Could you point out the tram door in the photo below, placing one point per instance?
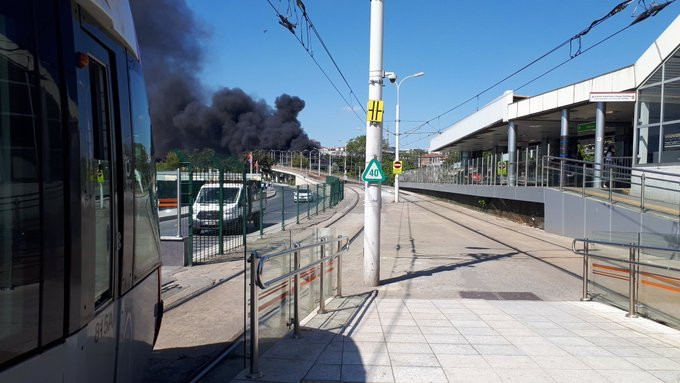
(100, 238)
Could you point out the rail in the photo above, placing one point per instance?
(633, 262)
(257, 262)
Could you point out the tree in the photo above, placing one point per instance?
(356, 147)
(451, 159)
(170, 162)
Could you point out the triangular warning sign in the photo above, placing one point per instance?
(373, 172)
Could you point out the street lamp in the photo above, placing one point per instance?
(393, 79)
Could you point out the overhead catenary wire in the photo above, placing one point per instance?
(651, 11)
(291, 27)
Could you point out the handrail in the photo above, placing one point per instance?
(608, 165)
(633, 266)
(623, 245)
(297, 271)
(257, 267)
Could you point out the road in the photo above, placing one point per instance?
(272, 215)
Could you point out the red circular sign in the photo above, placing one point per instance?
(397, 164)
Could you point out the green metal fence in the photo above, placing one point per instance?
(222, 209)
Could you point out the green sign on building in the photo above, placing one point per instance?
(586, 127)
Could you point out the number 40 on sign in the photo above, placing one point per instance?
(373, 172)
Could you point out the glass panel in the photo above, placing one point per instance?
(673, 67)
(671, 143)
(147, 237)
(20, 235)
(99, 94)
(649, 105)
(608, 279)
(648, 145)
(671, 101)
(658, 291)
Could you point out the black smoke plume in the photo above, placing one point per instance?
(232, 122)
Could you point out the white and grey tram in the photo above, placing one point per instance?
(79, 240)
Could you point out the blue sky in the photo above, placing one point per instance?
(463, 47)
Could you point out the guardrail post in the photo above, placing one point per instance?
(322, 299)
(261, 211)
(297, 202)
(611, 184)
(631, 283)
(583, 187)
(189, 261)
(585, 297)
(283, 208)
(317, 199)
(254, 319)
(309, 200)
(179, 202)
(220, 234)
(642, 192)
(561, 175)
(338, 260)
(526, 166)
(296, 294)
(323, 204)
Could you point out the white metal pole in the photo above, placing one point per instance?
(318, 169)
(396, 146)
(330, 162)
(372, 197)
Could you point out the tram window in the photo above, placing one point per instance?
(99, 94)
(19, 185)
(147, 236)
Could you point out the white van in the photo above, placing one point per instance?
(206, 208)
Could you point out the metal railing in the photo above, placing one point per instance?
(612, 181)
(257, 285)
(633, 263)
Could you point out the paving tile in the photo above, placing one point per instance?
(541, 349)
(468, 323)
(497, 349)
(367, 373)
(506, 324)
(580, 376)
(610, 341)
(631, 351)
(510, 361)
(365, 347)
(607, 362)
(434, 323)
(363, 328)
(401, 330)
(364, 337)
(330, 357)
(324, 372)
(568, 341)
(441, 330)
(477, 331)
(411, 348)
(526, 339)
(445, 338)
(295, 349)
(415, 360)
(486, 339)
(419, 374)
(654, 363)
(405, 338)
(462, 361)
(495, 317)
(522, 376)
(565, 362)
(453, 349)
(628, 376)
(282, 370)
(669, 352)
(587, 350)
(376, 359)
(667, 376)
(428, 315)
(471, 375)
(553, 332)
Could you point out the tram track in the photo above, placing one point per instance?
(466, 227)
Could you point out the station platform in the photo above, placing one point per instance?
(469, 297)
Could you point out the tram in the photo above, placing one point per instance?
(79, 238)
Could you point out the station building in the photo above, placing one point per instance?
(619, 131)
